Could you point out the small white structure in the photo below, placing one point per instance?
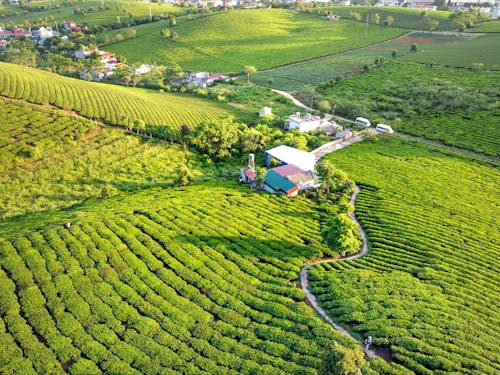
(383, 128)
(143, 69)
(495, 13)
(289, 155)
(265, 111)
(363, 121)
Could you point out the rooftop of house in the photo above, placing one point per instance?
(278, 182)
(306, 118)
(287, 170)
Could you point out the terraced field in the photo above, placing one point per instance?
(488, 27)
(227, 42)
(49, 159)
(113, 104)
(149, 284)
(429, 287)
(450, 102)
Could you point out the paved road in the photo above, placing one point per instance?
(304, 281)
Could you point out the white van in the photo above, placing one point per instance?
(383, 128)
(363, 121)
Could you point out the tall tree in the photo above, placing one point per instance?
(249, 70)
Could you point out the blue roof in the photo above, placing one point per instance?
(278, 182)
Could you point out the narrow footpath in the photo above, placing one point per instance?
(304, 281)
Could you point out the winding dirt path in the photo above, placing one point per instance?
(304, 281)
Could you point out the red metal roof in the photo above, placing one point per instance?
(250, 174)
(287, 170)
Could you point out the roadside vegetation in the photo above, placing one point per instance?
(427, 288)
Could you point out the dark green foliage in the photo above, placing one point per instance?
(342, 235)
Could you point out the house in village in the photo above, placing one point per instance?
(309, 122)
(303, 179)
(72, 26)
(287, 179)
(274, 183)
(200, 80)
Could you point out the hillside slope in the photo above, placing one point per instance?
(429, 287)
(114, 104)
(227, 42)
(196, 280)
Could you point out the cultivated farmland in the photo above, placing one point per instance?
(146, 283)
(226, 42)
(402, 93)
(429, 287)
(111, 103)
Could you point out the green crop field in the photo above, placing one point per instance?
(482, 52)
(445, 99)
(227, 42)
(147, 284)
(119, 10)
(403, 17)
(114, 104)
(429, 287)
(50, 159)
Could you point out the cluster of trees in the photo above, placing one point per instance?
(466, 20)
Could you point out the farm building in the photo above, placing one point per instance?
(265, 111)
(289, 155)
(274, 183)
(308, 122)
(304, 180)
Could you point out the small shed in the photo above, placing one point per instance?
(274, 183)
(265, 111)
(289, 155)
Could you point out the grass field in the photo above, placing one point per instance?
(402, 94)
(50, 159)
(146, 283)
(429, 287)
(114, 104)
(432, 48)
(403, 17)
(227, 42)
(488, 27)
(119, 9)
(482, 50)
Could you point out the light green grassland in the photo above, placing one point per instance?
(227, 42)
(403, 17)
(428, 287)
(114, 104)
(118, 8)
